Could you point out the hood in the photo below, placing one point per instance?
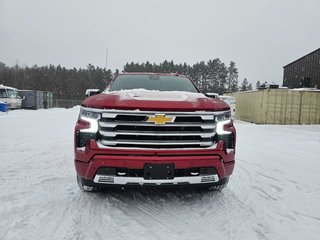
(153, 100)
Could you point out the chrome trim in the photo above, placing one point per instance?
(109, 115)
(147, 142)
(201, 136)
(114, 124)
(92, 109)
(115, 133)
(104, 179)
(204, 116)
(100, 145)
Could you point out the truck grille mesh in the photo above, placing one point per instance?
(141, 130)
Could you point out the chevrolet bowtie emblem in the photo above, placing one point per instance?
(160, 119)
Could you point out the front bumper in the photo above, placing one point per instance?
(104, 179)
(89, 160)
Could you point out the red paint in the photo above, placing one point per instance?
(88, 170)
(114, 101)
(88, 161)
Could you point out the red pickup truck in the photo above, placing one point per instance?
(150, 129)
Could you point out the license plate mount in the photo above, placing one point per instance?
(158, 171)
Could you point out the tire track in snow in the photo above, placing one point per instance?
(67, 216)
(236, 203)
(155, 216)
(243, 179)
(153, 213)
(229, 206)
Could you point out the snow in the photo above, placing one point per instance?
(156, 95)
(306, 89)
(274, 192)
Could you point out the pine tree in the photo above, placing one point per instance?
(258, 84)
(232, 78)
(148, 67)
(244, 85)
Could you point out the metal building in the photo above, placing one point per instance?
(278, 106)
(303, 72)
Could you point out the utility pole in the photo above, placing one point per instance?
(107, 51)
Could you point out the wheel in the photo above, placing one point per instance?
(82, 186)
(221, 185)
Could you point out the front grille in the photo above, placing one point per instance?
(139, 129)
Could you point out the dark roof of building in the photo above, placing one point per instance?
(302, 57)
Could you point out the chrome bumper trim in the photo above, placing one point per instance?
(100, 145)
(117, 180)
(145, 142)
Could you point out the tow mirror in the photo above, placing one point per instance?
(212, 95)
(91, 92)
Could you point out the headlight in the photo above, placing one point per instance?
(87, 127)
(223, 120)
(223, 116)
(84, 113)
(92, 117)
(225, 130)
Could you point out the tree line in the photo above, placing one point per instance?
(64, 83)
(210, 76)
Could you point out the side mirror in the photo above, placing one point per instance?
(91, 92)
(212, 95)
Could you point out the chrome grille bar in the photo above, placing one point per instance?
(132, 129)
(114, 124)
(116, 133)
(113, 113)
(113, 143)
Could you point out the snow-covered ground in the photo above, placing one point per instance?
(274, 192)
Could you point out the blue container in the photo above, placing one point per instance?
(3, 107)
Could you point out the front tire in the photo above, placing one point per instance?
(84, 187)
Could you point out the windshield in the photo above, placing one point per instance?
(3, 93)
(153, 82)
(12, 93)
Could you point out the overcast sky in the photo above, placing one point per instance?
(260, 36)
